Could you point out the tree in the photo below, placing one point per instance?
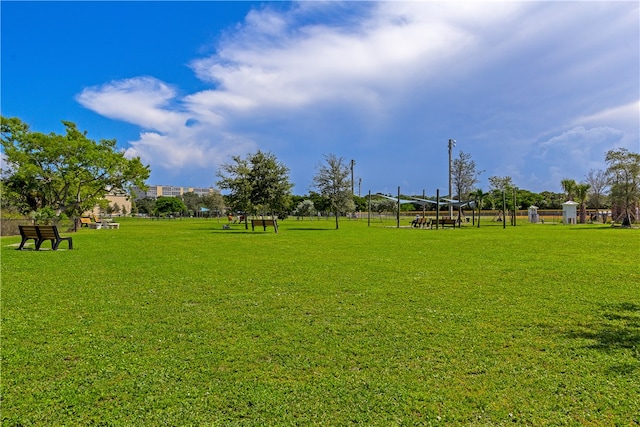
(624, 172)
(146, 205)
(499, 185)
(551, 200)
(191, 200)
(569, 187)
(464, 175)
(333, 183)
(169, 205)
(258, 183)
(582, 192)
(68, 173)
(214, 202)
(270, 186)
(305, 208)
(235, 177)
(598, 181)
(383, 205)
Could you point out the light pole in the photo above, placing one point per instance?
(452, 143)
(353, 163)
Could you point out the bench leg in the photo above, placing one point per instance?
(40, 242)
(57, 243)
(24, 240)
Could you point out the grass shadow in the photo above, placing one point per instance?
(310, 229)
(618, 331)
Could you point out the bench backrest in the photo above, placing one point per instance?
(85, 220)
(48, 232)
(263, 221)
(29, 231)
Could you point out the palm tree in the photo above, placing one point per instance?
(582, 192)
(569, 187)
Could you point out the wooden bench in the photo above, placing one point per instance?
(445, 222)
(85, 222)
(42, 233)
(421, 223)
(264, 223)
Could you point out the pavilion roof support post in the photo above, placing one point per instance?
(437, 207)
(398, 211)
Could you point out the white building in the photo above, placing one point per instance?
(155, 191)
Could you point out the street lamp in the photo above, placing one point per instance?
(452, 143)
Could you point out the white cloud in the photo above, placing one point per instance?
(352, 75)
(573, 153)
(144, 101)
(173, 138)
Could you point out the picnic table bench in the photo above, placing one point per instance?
(264, 223)
(41, 233)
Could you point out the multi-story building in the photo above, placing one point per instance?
(155, 191)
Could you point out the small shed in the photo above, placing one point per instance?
(533, 214)
(569, 212)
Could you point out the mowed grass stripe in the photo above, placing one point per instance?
(183, 323)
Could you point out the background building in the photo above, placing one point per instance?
(155, 191)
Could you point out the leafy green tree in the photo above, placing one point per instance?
(321, 203)
(333, 183)
(500, 185)
(551, 200)
(305, 208)
(169, 205)
(68, 173)
(270, 186)
(624, 172)
(235, 177)
(214, 202)
(258, 183)
(146, 205)
(361, 203)
(383, 205)
(192, 201)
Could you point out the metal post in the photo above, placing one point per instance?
(398, 216)
(452, 143)
(369, 217)
(504, 210)
(437, 207)
(514, 205)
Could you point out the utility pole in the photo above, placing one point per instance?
(452, 143)
(353, 189)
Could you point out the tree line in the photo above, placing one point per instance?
(53, 175)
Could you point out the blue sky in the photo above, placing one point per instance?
(538, 91)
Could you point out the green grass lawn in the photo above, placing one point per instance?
(180, 322)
